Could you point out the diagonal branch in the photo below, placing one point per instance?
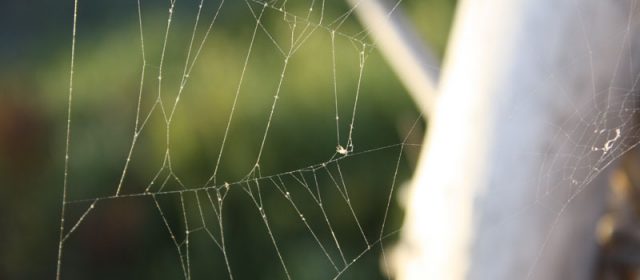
(412, 61)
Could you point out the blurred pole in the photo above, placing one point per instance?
(506, 186)
(413, 63)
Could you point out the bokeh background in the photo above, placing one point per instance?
(125, 238)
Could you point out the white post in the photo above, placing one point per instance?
(530, 108)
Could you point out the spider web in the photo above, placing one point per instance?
(175, 175)
(252, 139)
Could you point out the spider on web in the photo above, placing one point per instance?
(342, 150)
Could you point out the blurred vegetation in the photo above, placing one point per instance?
(125, 238)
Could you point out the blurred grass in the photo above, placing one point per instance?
(126, 238)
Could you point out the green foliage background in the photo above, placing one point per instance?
(125, 238)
